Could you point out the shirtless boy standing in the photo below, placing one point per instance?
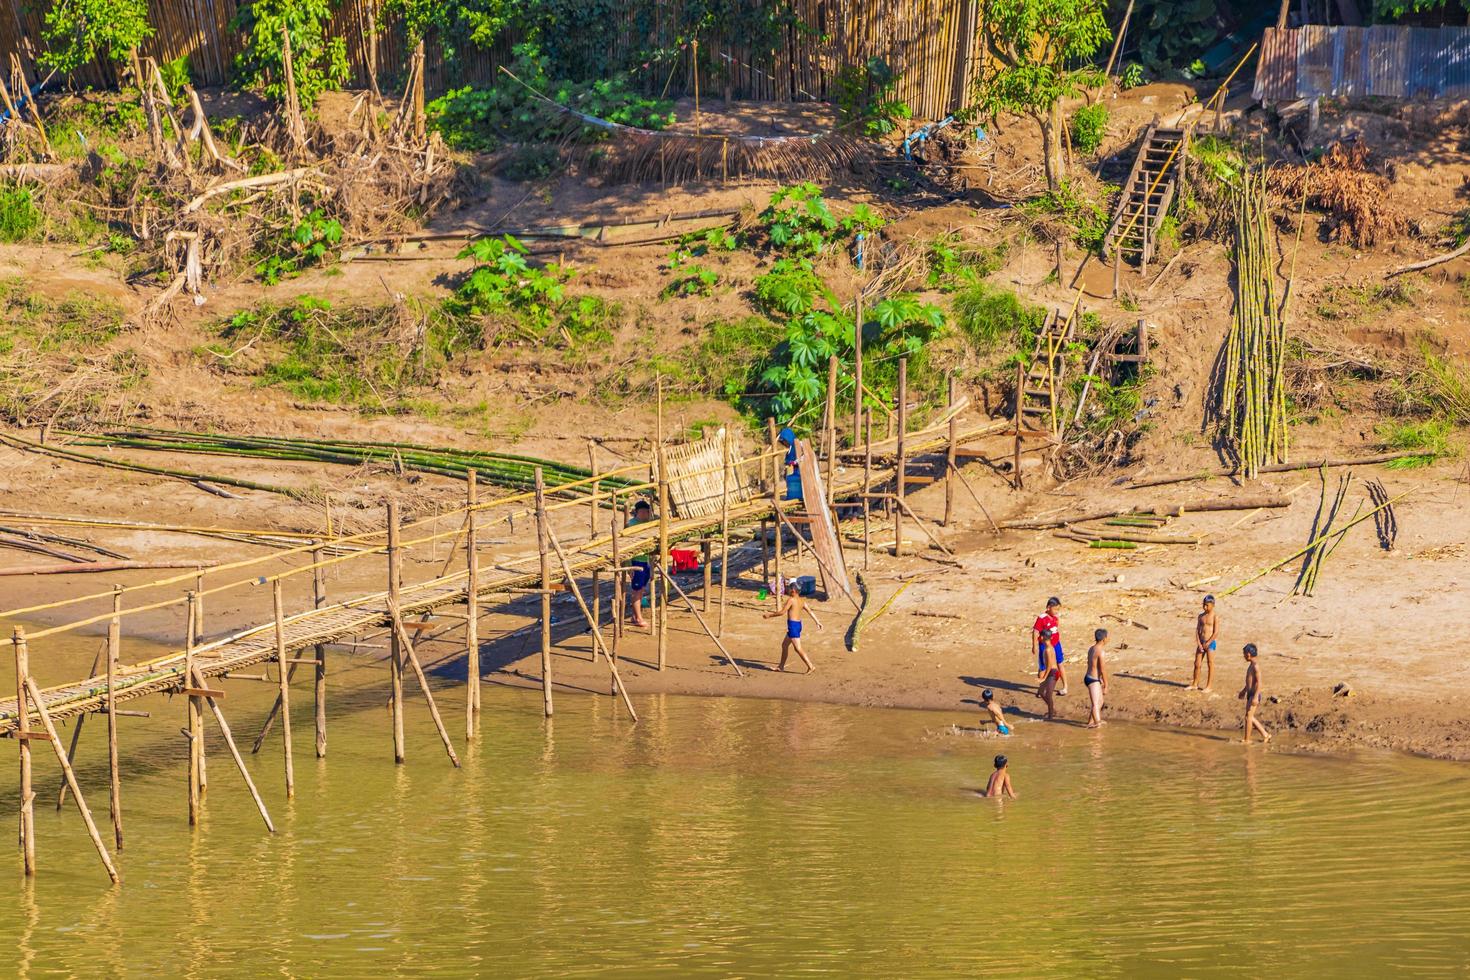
(794, 606)
(1251, 694)
(1206, 630)
(1000, 780)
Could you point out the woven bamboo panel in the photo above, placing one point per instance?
(696, 482)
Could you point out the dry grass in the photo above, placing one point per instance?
(1344, 184)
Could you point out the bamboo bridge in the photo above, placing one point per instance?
(701, 491)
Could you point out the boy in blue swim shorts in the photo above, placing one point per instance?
(1047, 632)
(988, 705)
(1206, 630)
(794, 606)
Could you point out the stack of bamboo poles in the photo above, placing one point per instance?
(501, 469)
(1253, 388)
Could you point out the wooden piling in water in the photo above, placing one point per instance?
(395, 654)
(901, 471)
(71, 777)
(412, 657)
(224, 730)
(724, 530)
(195, 719)
(545, 592)
(285, 680)
(319, 687)
(23, 736)
(76, 734)
(114, 778)
(472, 607)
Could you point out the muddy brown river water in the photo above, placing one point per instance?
(726, 837)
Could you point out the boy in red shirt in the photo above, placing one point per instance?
(1046, 631)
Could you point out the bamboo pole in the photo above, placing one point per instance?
(867, 487)
(1020, 399)
(285, 680)
(199, 606)
(857, 368)
(597, 643)
(829, 426)
(594, 489)
(949, 457)
(541, 539)
(319, 687)
(703, 625)
(76, 734)
(71, 777)
(23, 735)
(662, 617)
(724, 529)
(412, 657)
(224, 730)
(194, 720)
(618, 612)
(777, 481)
(901, 473)
(395, 651)
(472, 607)
(114, 778)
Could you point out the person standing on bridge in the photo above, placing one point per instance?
(642, 571)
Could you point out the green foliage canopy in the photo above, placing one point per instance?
(319, 62)
(77, 31)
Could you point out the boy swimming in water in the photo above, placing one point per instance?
(1206, 629)
(794, 606)
(987, 704)
(1000, 780)
(1251, 694)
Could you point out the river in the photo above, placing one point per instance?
(726, 837)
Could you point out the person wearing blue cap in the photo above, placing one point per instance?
(787, 438)
(1206, 630)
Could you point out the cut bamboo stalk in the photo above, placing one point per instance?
(703, 625)
(724, 529)
(23, 732)
(319, 688)
(71, 777)
(867, 487)
(777, 474)
(419, 675)
(114, 777)
(76, 733)
(541, 538)
(949, 457)
(662, 618)
(282, 672)
(192, 730)
(395, 651)
(472, 606)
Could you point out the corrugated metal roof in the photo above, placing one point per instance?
(1383, 60)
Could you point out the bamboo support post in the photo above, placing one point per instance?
(395, 651)
(319, 687)
(23, 733)
(867, 487)
(472, 606)
(285, 680)
(724, 531)
(661, 618)
(199, 606)
(541, 545)
(901, 471)
(593, 490)
(703, 625)
(829, 427)
(706, 557)
(224, 730)
(597, 643)
(412, 657)
(949, 458)
(195, 728)
(857, 368)
(71, 777)
(114, 777)
(777, 479)
(619, 614)
(1020, 398)
(76, 735)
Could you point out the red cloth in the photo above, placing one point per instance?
(1051, 631)
(684, 559)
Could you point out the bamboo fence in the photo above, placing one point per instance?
(931, 45)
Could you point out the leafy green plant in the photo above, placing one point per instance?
(309, 243)
(1430, 435)
(865, 98)
(505, 285)
(20, 218)
(954, 264)
(989, 317)
(1089, 126)
(692, 278)
(1132, 76)
(1086, 217)
(798, 221)
(318, 62)
(176, 74)
(1036, 48)
(1218, 157)
(77, 31)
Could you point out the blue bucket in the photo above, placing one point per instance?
(793, 486)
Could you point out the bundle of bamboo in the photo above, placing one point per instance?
(502, 469)
(1252, 393)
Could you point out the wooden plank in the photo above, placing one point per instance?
(824, 539)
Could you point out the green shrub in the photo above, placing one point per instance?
(505, 285)
(309, 243)
(1431, 435)
(1087, 218)
(798, 221)
(19, 217)
(954, 264)
(988, 317)
(1088, 127)
(78, 31)
(176, 74)
(318, 61)
(1132, 76)
(865, 98)
(1218, 157)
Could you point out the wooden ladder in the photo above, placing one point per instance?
(1147, 194)
(1041, 385)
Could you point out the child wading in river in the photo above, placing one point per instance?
(794, 606)
(1000, 780)
(1251, 694)
(988, 705)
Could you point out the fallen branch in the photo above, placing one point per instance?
(1310, 464)
(260, 180)
(1176, 510)
(81, 568)
(1429, 263)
